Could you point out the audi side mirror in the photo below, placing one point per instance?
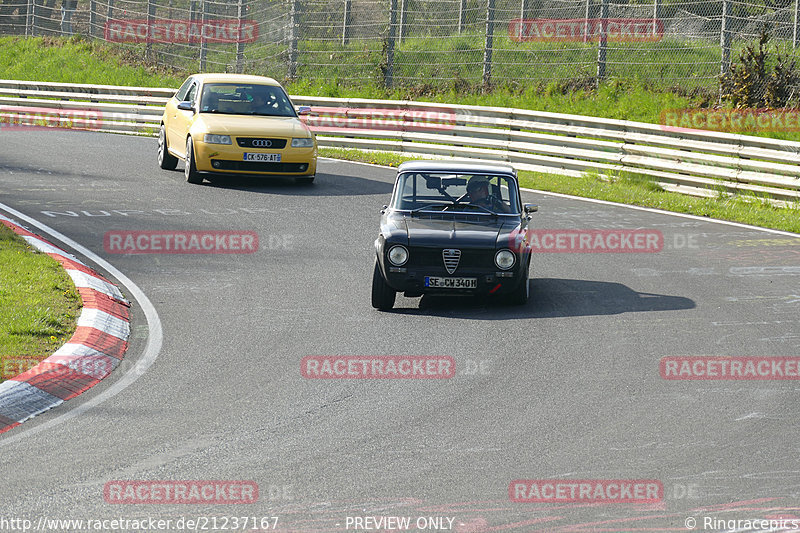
(304, 110)
(531, 208)
(186, 106)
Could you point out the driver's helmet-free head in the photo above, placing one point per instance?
(476, 182)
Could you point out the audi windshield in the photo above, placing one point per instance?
(246, 99)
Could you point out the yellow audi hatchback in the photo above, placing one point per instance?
(236, 124)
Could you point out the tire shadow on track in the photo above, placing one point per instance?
(553, 298)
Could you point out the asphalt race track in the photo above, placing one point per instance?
(567, 387)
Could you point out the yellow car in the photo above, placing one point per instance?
(235, 124)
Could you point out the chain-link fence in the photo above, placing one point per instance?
(441, 42)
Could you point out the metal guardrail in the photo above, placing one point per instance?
(696, 162)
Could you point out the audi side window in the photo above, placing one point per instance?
(191, 94)
(181, 94)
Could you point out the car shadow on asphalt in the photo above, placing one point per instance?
(324, 185)
(552, 298)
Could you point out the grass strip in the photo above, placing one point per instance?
(39, 305)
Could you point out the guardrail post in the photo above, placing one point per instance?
(388, 73)
(794, 34)
(110, 13)
(725, 39)
(489, 44)
(203, 42)
(346, 22)
(462, 8)
(293, 30)
(601, 46)
(240, 14)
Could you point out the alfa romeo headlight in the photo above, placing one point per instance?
(398, 255)
(210, 138)
(504, 259)
(302, 142)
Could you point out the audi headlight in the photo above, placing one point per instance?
(504, 259)
(302, 142)
(398, 255)
(210, 138)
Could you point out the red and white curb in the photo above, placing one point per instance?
(96, 348)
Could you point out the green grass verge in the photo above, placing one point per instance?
(630, 189)
(39, 305)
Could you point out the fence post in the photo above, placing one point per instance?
(725, 39)
(656, 15)
(151, 11)
(110, 12)
(586, 23)
(462, 8)
(29, 18)
(388, 74)
(601, 46)
(402, 25)
(203, 43)
(240, 13)
(794, 35)
(487, 49)
(92, 17)
(293, 29)
(346, 22)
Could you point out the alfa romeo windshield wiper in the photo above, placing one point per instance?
(419, 209)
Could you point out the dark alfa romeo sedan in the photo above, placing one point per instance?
(453, 227)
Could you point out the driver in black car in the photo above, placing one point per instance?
(478, 193)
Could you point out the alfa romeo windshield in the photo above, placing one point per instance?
(467, 193)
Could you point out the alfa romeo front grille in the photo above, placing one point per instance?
(451, 257)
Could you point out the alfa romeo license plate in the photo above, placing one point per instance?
(269, 158)
(451, 283)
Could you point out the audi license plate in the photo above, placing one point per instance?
(451, 283)
(269, 158)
